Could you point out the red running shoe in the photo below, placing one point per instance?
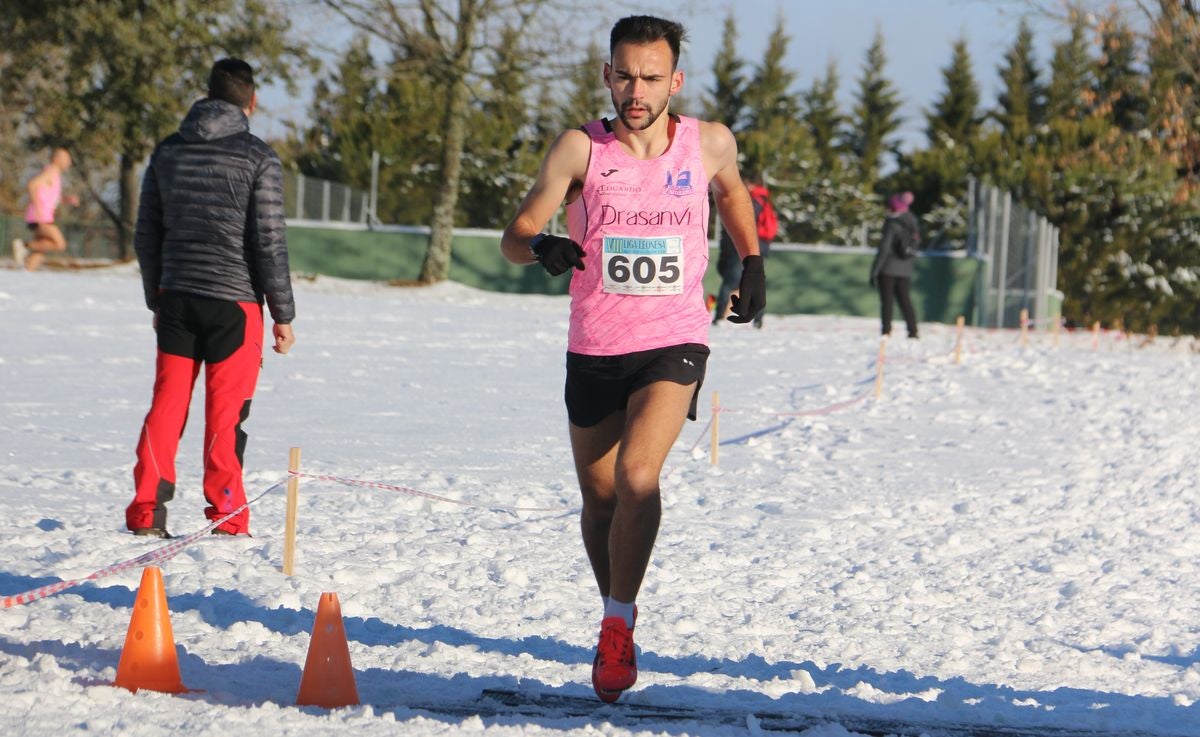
(615, 667)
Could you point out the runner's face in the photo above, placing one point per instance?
(642, 82)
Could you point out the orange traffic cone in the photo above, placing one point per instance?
(328, 678)
(148, 659)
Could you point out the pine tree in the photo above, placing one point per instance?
(1174, 77)
(1120, 86)
(1021, 104)
(498, 165)
(955, 119)
(768, 96)
(408, 144)
(337, 145)
(773, 138)
(586, 97)
(1071, 79)
(824, 118)
(875, 116)
(725, 102)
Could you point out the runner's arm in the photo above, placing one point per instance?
(565, 164)
(729, 192)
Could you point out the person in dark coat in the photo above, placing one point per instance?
(212, 245)
(729, 263)
(892, 269)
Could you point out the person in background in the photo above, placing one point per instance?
(766, 221)
(729, 263)
(45, 195)
(212, 245)
(892, 269)
(729, 267)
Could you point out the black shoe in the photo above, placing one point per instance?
(152, 532)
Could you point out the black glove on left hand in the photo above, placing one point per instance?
(751, 298)
(556, 254)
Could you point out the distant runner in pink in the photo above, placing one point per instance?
(643, 228)
(45, 195)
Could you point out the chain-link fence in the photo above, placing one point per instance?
(320, 200)
(1019, 249)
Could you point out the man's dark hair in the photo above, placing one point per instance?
(231, 80)
(645, 29)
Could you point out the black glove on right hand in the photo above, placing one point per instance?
(556, 254)
(751, 298)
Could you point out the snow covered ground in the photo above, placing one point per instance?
(1010, 541)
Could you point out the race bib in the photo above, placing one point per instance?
(643, 266)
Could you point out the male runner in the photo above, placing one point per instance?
(45, 195)
(636, 188)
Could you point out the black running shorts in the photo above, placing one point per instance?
(597, 386)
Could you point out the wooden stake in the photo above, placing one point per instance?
(1150, 336)
(879, 368)
(1057, 326)
(293, 498)
(958, 341)
(716, 423)
(1024, 326)
(1095, 336)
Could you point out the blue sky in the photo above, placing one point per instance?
(918, 35)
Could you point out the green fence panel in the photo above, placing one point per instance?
(810, 281)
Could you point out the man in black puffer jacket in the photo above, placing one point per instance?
(212, 246)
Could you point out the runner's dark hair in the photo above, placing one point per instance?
(645, 29)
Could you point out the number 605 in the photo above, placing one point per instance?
(644, 269)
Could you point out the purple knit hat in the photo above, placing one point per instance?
(899, 202)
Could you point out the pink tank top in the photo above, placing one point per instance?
(643, 225)
(45, 200)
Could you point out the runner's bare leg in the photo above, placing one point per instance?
(619, 462)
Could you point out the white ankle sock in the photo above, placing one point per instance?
(614, 608)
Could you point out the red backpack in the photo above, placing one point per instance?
(768, 221)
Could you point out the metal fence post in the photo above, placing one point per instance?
(992, 215)
(374, 213)
(1002, 260)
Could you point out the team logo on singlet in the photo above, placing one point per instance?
(679, 185)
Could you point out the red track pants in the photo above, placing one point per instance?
(227, 338)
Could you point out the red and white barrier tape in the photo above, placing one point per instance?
(166, 552)
(423, 494)
(823, 410)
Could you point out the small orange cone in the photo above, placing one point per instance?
(328, 678)
(148, 659)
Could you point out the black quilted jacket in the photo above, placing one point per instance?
(886, 260)
(210, 218)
